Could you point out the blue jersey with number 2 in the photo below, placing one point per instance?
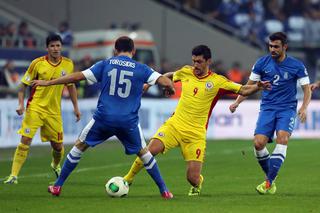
(283, 76)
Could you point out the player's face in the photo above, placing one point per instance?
(277, 49)
(54, 49)
(200, 65)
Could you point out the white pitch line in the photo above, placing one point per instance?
(225, 151)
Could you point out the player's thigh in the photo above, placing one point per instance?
(30, 124)
(194, 151)
(169, 137)
(286, 120)
(132, 139)
(96, 132)
(52, 129)
(266, 123)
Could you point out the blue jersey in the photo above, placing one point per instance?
(122, 80)
(284, 77)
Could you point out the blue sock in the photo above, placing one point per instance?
(263, 158)
(276, 160)
(152, 168)
(70, 163)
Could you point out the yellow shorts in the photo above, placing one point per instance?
(51, 128)
(192, 148)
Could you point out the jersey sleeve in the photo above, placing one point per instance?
(180, 74)
(31, 73)
(70, 70)
(230, 86)
(303, 77)
(94, 73)
(151, 75)
(256, 71)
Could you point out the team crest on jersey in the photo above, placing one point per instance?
(286, 75)
(27, 130)
(209, 85)
(161, 134)
(63, 73)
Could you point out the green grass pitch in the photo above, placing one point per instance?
(230, 171)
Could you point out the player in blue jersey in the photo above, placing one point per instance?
(122, 80)
(278, 106)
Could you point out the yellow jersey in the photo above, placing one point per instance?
(46, 99)
(198, 98)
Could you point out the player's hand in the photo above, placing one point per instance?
(302, 113)
(265, 85)
(35, 83)
(77, 114)
(146, 87)
(168, 91)
(314, 86)
(233, 107)
(20, 110)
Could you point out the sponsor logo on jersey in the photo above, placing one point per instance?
(27, 78)
(63, 73)
(286, 75)
(267, 71)
(27, 130)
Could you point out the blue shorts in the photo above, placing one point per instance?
(270, 121)
(96, 132)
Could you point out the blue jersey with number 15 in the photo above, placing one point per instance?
(122, 80)
(283, 77)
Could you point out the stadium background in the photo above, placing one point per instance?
(237, 39)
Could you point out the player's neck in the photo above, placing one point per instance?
(125, 54)
(54, 60)
(281, 58)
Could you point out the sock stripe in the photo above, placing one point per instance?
(263, 157)
(73, 159)
(149, 162)
(150, 165)
(277, 157)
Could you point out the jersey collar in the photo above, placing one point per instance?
(209, 73)
(54, 65)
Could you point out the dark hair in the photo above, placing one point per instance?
(202, 50)
(53, 37)
(279, 36)
(124, 44)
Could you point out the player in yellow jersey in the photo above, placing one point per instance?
(43, 107)
(201, 89)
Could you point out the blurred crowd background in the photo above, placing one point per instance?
(250, 21)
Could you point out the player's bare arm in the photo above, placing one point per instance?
(21, 92)
(74, 99)
(315, 86)
(302, 112)
(72, 78)
(240, 98)
(169, 75)
(247, 90)
(167, 84)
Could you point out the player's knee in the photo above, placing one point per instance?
(282, 140)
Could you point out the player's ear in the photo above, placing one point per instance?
(133, 52)
(209, 61)
(115, 52)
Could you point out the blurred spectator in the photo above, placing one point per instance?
(219, 68)
(9, 80)
(66, 34)
(312, 26)
(236, 74)
(10, 35)
(25, 37)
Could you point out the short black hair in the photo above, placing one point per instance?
(202, 50)
(124, 44)
(53, 37)
(279, 36)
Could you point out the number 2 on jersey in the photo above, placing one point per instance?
(122, 81)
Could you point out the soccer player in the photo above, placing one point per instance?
(43, 107)
(122, 80)
(278, 106)
(201, 89)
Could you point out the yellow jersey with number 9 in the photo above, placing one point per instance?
(198, 98)
(46, 99)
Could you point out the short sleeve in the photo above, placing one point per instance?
(31, 73)
(256, 71)
(97, 70)
(180, 74)
(302, 75)
(230, 86)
